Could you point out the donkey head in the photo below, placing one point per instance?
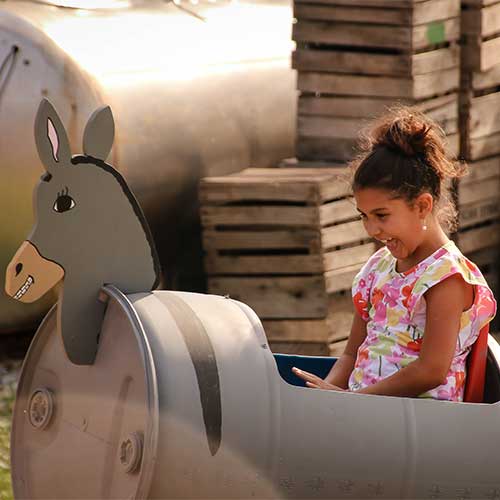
(89, 231)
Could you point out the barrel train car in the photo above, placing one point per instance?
(130, 392)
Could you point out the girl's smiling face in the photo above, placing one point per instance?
(393, 220)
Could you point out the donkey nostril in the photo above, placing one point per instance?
(19, 268)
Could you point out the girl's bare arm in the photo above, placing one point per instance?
(342, 369)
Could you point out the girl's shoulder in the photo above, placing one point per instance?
(445, 262)
(449, 261)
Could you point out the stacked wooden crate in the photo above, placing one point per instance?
(357, 57)
(288, 243)
(479, 193)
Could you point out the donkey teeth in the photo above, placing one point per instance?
(29, 281)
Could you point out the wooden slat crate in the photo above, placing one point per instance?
(356, 59)
(288, 242)
(481, 35)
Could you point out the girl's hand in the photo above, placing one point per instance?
(314, 381)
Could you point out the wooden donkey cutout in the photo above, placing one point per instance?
(77, 197)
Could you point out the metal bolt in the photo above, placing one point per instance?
(40, 408)
(131, 452)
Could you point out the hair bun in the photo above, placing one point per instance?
(406, 131)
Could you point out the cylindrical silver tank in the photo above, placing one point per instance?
(185, 401)
(191, 97)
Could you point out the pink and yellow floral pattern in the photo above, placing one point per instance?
(393, 305)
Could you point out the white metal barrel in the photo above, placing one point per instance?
(185, 401)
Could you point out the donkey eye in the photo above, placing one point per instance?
(64, 203)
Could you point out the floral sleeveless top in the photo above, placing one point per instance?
(393, 305)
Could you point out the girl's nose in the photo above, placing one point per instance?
(372, 229)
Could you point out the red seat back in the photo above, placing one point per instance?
(476, 368)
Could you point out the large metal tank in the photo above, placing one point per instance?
(196, 88)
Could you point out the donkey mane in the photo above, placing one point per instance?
(85, 159)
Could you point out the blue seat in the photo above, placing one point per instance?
(319, 365)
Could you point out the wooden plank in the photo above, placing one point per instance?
(392, 4)
(490, 54)
(276, 297)
(357, 14)
(480, 55)
(287, 264)
(365, 107)
(341, 279)
(295, 162)
(336, 349)
(480, 170)
(263, 264)
(479, 238)
(482, 121)
(341, 61)
(337, 211)
(478, 3)
(335, 186)
(330, 126)
(320, 148)
(343, 234)
(435, 60)
(377, 36)
(336, 326)
(276, 215)
(301, 191)
(352, 128)
(483, 147)
(490, 79)
(481, 190)
(307, 216)
(423, 13)
(485, 257)
(346, 257)
(419, 87)
(290, 238)
(482, 22)
(479, 211)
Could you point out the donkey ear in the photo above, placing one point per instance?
(99, 134)
(50, 137)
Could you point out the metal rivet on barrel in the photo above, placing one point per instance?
(131, 452)
(40, 408)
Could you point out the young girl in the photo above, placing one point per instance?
(419, 303)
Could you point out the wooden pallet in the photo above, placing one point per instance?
(282, 240)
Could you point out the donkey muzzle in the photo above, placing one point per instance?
(29, 275)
